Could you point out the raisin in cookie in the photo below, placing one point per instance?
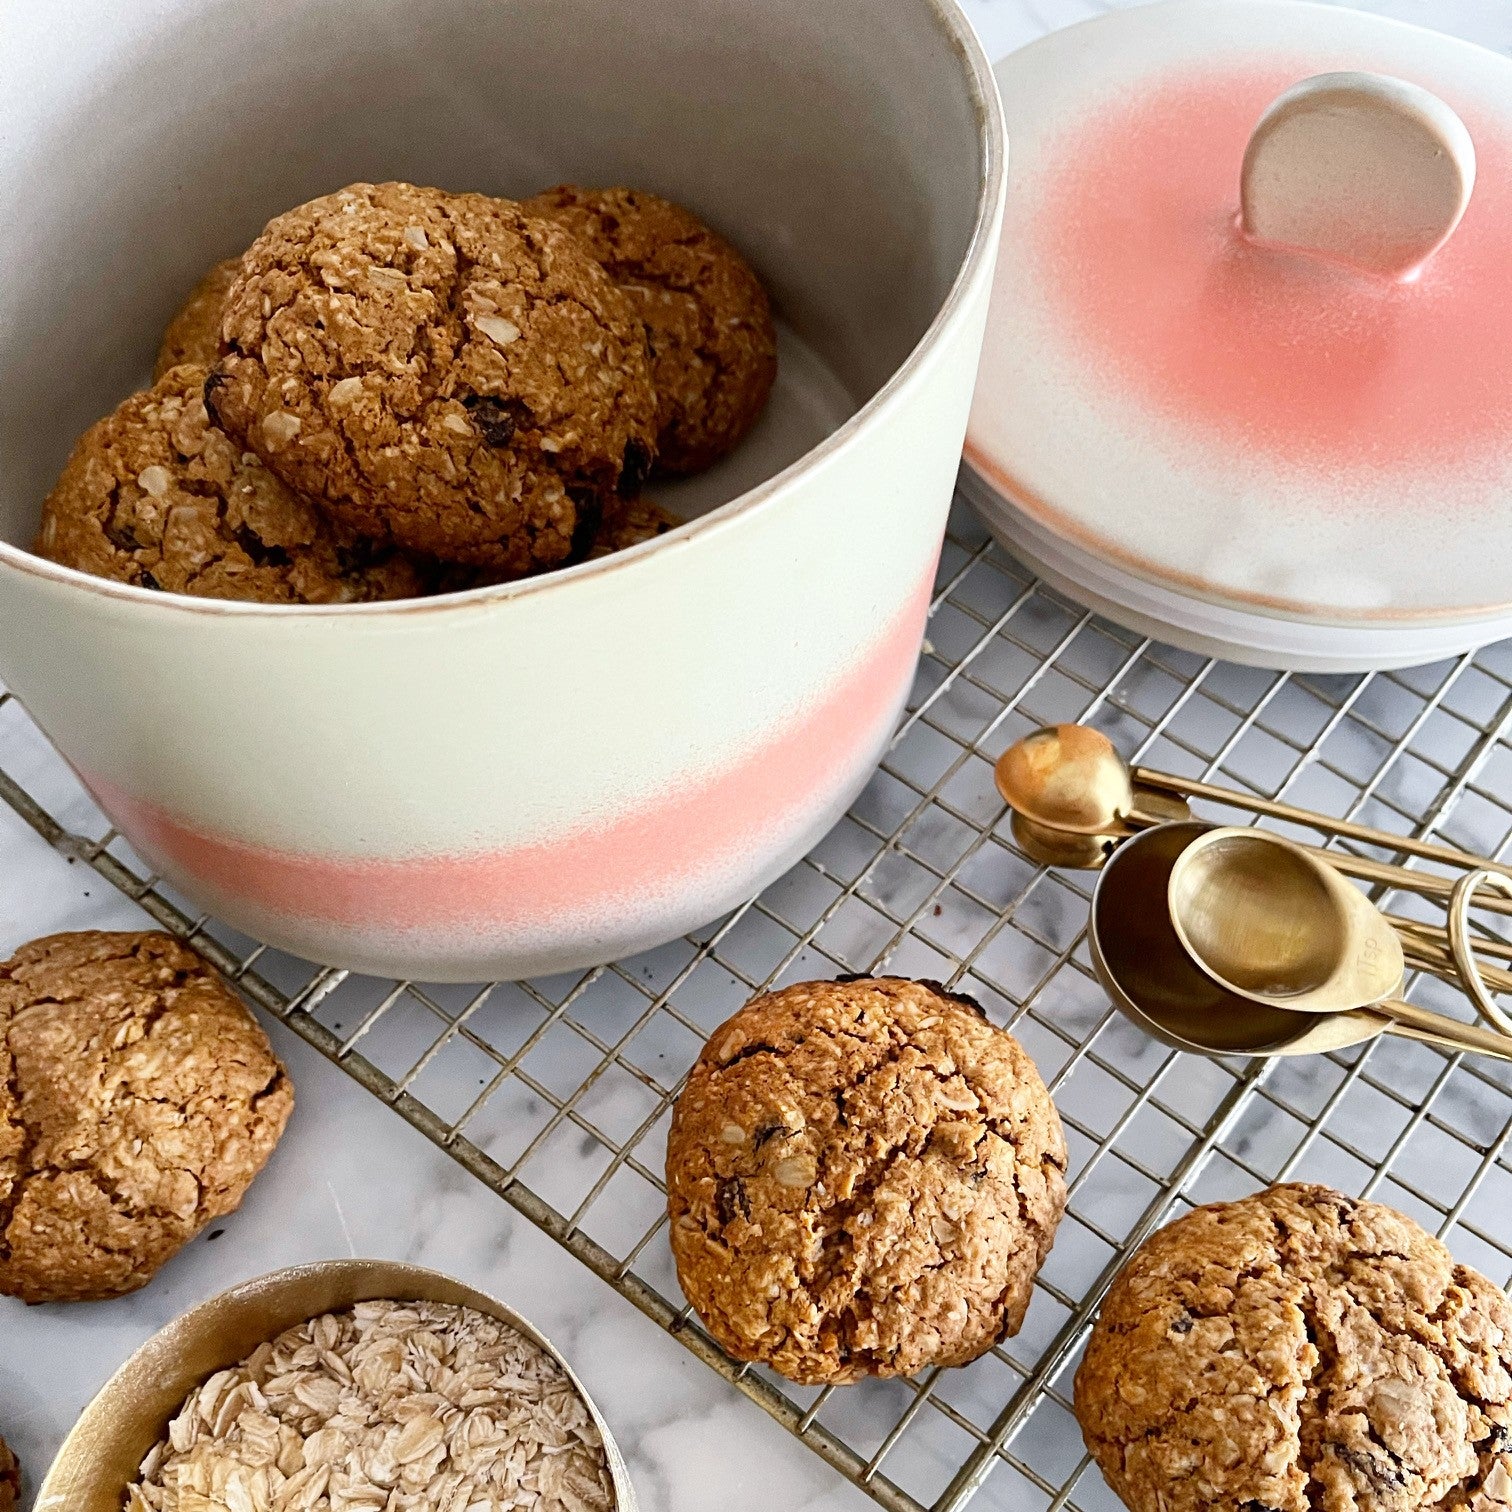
(863, 1178)
(138, 1099)
(713, 345)
(10, 1479)
(438, 370)
(193, 335)
(158, 496)
(1298, 1351)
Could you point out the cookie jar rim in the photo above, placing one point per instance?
(992, 157)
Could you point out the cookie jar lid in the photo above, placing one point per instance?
(1251, 337)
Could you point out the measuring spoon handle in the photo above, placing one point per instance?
(1446, 1029)
(1410, 845)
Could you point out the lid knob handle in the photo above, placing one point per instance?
(1358, 168)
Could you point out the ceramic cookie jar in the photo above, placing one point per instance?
(553, 772)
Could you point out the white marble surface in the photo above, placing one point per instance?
(351, 1178)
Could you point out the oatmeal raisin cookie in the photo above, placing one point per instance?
(138, 1099)
(10, 1479)
(1299, 1351)
(193, 335)
(439, 370)
(863, 1179)
(707, 317)
(158, 496)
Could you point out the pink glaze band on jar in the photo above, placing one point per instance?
(631, 875)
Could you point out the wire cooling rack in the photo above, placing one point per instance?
(556, 1094)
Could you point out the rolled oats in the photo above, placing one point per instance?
(388, 1406)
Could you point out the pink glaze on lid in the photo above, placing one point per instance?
(1136, 244)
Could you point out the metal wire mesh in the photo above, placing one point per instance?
(556, 1094)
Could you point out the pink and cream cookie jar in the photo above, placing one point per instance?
(1247, 383)
(535, 777)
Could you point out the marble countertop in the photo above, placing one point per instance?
(351, 1178)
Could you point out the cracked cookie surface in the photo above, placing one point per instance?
(193, 335)
(158, 496)
(863, 1178)
(707, 317)
(138, 1100)
(1299, 1351)
(438, 370)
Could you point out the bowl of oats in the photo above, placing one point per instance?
(360, 1384)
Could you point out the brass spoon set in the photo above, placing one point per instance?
(1234, 941)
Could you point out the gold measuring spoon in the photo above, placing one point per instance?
(1071, 777)
(1053, 847)
(1273, 923)
(1153, 981)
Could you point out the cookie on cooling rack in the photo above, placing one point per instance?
(138, 1099)
(1299, 1350)
(863, 1178)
